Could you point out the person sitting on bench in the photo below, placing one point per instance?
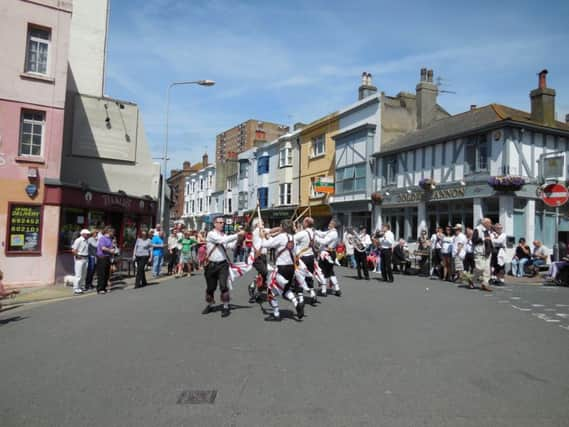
(539, 257)
(401, 261)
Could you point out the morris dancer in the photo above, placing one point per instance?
(283, 278)
(327, 258)
(217, 265)
(304, 241)
(258, 256)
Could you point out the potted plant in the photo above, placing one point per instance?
(376, 197)
(506, 182)
(428, 184)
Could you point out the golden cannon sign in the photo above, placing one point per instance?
(440, 194)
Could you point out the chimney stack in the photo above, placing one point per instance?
(426, 96)
(366, 88)
(472, 107)
(186, 165)
(204, 160)
(543, 101)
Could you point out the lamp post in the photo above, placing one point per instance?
(165, 153)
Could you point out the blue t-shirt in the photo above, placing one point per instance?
(157, 240)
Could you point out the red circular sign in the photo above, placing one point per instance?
(555, 195)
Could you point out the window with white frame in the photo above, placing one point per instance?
(390, 170)
(210, 181)
(208, 203)
(285, 157)
(201, 183)
(285, 193)
(242, 200)
(201, 204)
(318, 146)
(37, 54)
(243, 169)
(192, 207)
(187, 188)
(31, 133)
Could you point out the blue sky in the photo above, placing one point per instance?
(292, 60)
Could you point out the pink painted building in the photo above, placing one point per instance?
(34, 41)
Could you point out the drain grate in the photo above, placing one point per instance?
(196, 397)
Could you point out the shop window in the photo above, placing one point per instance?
(129, 233)
(71, 222)
(476, 154)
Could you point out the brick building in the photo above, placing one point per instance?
(177, 183)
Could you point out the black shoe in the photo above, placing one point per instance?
(367, 277)
(225, 312)
(300, 310)
(338, 293)
(322, 294)
(313, 301)
(359, 278)
(208, 309)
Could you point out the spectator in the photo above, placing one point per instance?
(436, 245)
(92, 263)
(104, 252)
(446, 253)
(539, 257)
(423, 250)
(401, 261)
(521, 258)
(482, 242)
(173, 253)
(498, 253)
(5, 293)
(141, 254)
(80, 250)
(469, 252)
(187, 243)
(157, 252)
(350, 257)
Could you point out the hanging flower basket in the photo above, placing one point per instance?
(506, 183)
(376, 198)
(428, 184)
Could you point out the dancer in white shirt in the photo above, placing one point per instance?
(328, 241)
(217, 267)
(386, 241)
(304, 241)
(283, 281)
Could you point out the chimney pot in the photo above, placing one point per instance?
(430, 75)
(204, 160)
(423, 74)
(472, 107)
(542, 79)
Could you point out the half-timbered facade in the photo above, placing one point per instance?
(451, 172)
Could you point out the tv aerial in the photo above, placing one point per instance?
(440, 82)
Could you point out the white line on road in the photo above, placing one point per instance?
(520, 308)
(537, 305)
(562, 315)
(516, 298)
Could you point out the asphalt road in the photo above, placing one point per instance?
(381, 355)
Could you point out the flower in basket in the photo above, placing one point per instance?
(376, 197)
(506, 182)
(427, 184)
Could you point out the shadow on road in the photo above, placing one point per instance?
(11, 320)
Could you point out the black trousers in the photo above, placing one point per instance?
(260, 264)
(103, 272)
(469, 262)
(386, 269)
(172, 260)
(308, 260)
(361, 262)
(326, 266)
(287, 271)
(140, 279)
(217, 273)
(91, 271)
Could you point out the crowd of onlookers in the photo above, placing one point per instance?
(450, 254)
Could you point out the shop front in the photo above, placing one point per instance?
(411, 210)
(355, 214)
(95, 210)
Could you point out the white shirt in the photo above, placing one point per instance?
(258, 241)
(499, 240)
(365, 239)
(349, 245)
(436, 242)
(81, 246)
(327, 239)
(279, 243)
(304, 240)
(216, 238)
(460, 238)
(447, 241)
(468, 246)
(387, 241)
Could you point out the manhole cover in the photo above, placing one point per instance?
(195, 397)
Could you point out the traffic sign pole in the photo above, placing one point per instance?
(555, 195)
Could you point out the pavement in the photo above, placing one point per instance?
(416, 352)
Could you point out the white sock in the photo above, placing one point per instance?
(334, 282)
(300, 297)
(275, 305)
(225, 305)
(290, 296)
(312, 293)
(323, 289)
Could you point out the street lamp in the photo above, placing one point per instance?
(165, 154)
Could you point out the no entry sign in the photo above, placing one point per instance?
(555, 195)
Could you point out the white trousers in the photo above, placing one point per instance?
(80, 273)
